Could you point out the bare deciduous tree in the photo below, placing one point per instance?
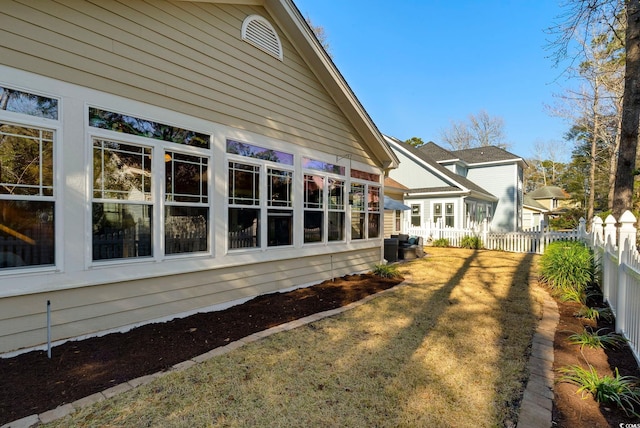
(479, 130)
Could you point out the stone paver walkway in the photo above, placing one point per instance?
(537, 402)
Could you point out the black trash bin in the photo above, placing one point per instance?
(391, 249)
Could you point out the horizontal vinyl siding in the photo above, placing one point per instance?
(500, 181)
(413, 175)
(183, 56)
(90, 310)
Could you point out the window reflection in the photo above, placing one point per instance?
(121, 231)
(322, 166)
(257, 152)
(132, 125)
(23, 102)
(26, 233)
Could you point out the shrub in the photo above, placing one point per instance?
(441, 242)
(567, 265)
(619, 390)
(471, 242)
(386, 271)
(594, 339)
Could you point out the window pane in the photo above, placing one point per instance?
(336, 226)
(26, 161)
(313, 185)
(251, 151)
(374, 198)
(356, 197)
(280, 226)
(26, 234)
(365, 175)
(336, 194)
(121, 171)
(415, 215)
(186, 229)
(244, 228)
(374, 225)
(357, 225)
(185, 178)
(26, 103)
(244, 184)
(146, 128)
(121, 231)
(280, 188)
(313, 222)
(322, 166)
(449, 209)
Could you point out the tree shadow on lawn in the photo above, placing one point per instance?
(435, 355)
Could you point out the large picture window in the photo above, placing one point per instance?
(27, 204)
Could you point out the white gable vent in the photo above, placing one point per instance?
(260, 33)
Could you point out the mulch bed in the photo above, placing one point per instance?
(31, 383)
(570, 409)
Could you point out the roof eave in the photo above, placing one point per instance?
(331, 78)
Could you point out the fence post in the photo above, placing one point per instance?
(596, 230)
(543, 229)
(625, 249)
(610, 230)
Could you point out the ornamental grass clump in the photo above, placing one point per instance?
(597, 339)
(386, 271)
(441, 242)
(619, 390)
(471, 242)
(567, 265)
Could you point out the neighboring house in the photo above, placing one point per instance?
(461, 188)
(553, 198)
(394, 208)
(168, 157)
(534, 214)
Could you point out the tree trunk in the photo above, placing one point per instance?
(613, 159)
(623, 192)
(592, 166)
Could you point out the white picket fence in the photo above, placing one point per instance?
(616, 253)
(534, 241)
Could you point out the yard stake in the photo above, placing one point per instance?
(49, 329)
(333, 279)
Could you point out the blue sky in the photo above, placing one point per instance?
(416, 65)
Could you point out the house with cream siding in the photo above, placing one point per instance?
(394, 209)
(462, 188)
(162, 158)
